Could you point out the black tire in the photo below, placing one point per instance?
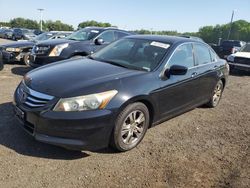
(216, 96)
(1, 62)
(136, 131)
(26, 59)
(1, 65)
(13, 38)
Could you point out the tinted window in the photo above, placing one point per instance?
(107, 36)
(120, 34)
(202, 54)
(183, 55)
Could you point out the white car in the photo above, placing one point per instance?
(241, 59)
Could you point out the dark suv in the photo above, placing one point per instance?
(228, 47)
(80, 43)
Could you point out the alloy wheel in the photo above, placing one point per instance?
(133, 127)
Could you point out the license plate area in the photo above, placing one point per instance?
(32, 58)
(19, 113)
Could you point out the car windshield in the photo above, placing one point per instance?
(245, 48)
(43, 36)
(139, 54)
(84, 34)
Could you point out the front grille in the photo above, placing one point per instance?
(31, 98)
(41, 50)
(242, 60)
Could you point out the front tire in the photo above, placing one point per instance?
(26, 59)
(217, 94)
(130, 127)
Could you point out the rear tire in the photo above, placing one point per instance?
(217, 94)
(1, 61)
(130, 127)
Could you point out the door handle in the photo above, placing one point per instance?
(194, 74)
(216, 66)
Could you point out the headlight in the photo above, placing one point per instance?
(58, 49)
(87, 102)
(230, 58)
(13, 49)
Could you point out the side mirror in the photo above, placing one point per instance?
(99, 41)
(176, 70)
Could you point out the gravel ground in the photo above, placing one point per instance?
(201, 148)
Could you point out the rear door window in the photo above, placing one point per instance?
(107, 36)
(202, 54)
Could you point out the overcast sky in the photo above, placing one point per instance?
(180, 15)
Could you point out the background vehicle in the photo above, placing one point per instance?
(241, 59)
(6, 33)
(19, 51)
(192, 37)
(116, 94)
(25, 34)
(80, 43)
(228, 47)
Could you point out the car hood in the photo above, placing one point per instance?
(242, 54)
(78, 77)
(55, 42)
(18, 44)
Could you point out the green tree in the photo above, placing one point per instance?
(93, 23)
(25, 23)
(5, 24)
(57, 26)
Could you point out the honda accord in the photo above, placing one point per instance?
(113, 96)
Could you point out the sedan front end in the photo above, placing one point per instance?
(43, 117)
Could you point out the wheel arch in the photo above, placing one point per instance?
(147, 101)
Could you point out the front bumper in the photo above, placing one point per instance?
(9, 57)
(87, 130)
(239, 66)
(37, 61)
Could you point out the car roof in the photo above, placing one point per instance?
(105, 28)
(164, 38)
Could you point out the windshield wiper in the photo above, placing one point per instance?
(113, 63)
(121, 65)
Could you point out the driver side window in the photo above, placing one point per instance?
(107, 36)
(183, 56)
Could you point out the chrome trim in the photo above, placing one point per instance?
(37, 94)
(36, 101)
(239, 65)
(33, 99)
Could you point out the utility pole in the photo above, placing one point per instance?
(41, 17)
(231, 24)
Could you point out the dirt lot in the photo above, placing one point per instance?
(201, 148)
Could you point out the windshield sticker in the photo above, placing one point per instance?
(94, 31)
(159, 44)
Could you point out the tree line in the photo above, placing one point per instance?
(240, 30)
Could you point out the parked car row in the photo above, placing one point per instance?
(18, 33)
(20, 51)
